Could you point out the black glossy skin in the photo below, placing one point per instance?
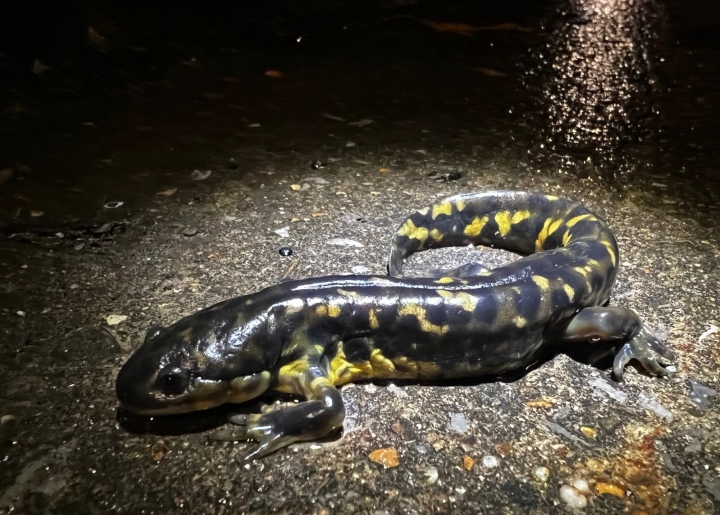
(309, 336)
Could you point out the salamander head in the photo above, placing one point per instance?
(198, 363)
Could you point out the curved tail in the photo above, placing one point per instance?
(516, 221)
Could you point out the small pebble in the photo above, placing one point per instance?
(542, 473)
(104, 228)
(20, 313)
(397, 391)
(190, 231)
(572, 497)
(458, 422)
(285, 251)
(7, 418)
(588, 432)
(386, 457)
(608, 488)
(200, 175)
(432, 475)
(113, 205)
(581, 485)
(115, 319)
(468, 463)
(490, 462)
(359, 269)
(345, 242)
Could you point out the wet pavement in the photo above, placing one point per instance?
(155, 161)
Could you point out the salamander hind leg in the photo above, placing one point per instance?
(320, 414)
(463, 271)
(621, 327)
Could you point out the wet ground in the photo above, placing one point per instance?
(154, 161)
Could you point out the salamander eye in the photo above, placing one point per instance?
(173, 382)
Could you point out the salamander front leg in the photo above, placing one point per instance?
(321, 413)
(620, 326)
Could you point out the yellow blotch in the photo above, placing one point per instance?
(566, 238)
(352, 294)
(380, 364)
(436, 235)
(551, 197)
(520, 321)
(444, 280)
(329, 310)
(460, 205)
(611, 251)
(476, 226)
(581, 270)
(505, 221)
(549, 227)
(342, 371)
(592, 264)
(444, 208)
(187, 333)
(468, 301)
(573, 221)
(464, 299)
(542, 282)
(410, 368)
(410, 230)
(294, 368)
(570, 292)
(428, 369)
(374, 324)
(419, 312)
(554, 226)
(542, 235)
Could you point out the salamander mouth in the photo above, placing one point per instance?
(203, 394)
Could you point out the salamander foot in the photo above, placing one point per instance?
(644, 347)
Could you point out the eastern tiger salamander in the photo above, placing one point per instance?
(308, 336)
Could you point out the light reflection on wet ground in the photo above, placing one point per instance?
(597, 72)
(591, 88)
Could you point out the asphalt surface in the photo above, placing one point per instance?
(563, 432)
